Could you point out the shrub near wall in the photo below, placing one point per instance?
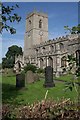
(39, 70)
(31, 67)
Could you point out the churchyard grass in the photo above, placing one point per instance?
(67, 78)
(32, 92)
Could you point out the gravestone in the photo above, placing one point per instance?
(29, 77)
(20, 80)
(36, 77)
(49, 77)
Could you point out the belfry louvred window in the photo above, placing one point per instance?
(40, 23)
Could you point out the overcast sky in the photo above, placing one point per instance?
(59, 15)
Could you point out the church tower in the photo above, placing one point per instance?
(36, 31)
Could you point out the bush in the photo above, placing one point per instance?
(41, 110)
(46, 110)
(31, 67)
(40, 70)
(7, 112)
(23, 72)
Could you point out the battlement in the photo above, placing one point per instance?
(37, 13)
(56, 40)
(73, 36)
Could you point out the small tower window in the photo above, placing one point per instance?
(29, 21)
(40, 23)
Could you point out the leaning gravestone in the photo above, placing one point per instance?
(29, 77)
(20, 80)
(49, 77)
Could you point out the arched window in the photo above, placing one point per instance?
(40, 23)
(63, 61)
(51, 48)
(61, 46)
(50, 61)
(30, 22)
(36, 51)
(43, 49)
(41, 63)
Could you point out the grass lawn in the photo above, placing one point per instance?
(32, 92)
(66, 78)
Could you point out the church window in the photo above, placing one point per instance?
(41, 63)
(43, 47)
(63, 61)
(51, 48)
(36, 51)
(61, 46)
(40, 23)
(29, 21)
(50, 61)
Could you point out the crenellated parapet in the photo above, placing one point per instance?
(53, 41)
(59, 45)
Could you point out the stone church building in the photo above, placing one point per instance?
(40, 51)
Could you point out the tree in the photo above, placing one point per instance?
(73, 30)
(8, 16)
(7, 63)
(74, 63)
(9, 60)
(13, 51)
